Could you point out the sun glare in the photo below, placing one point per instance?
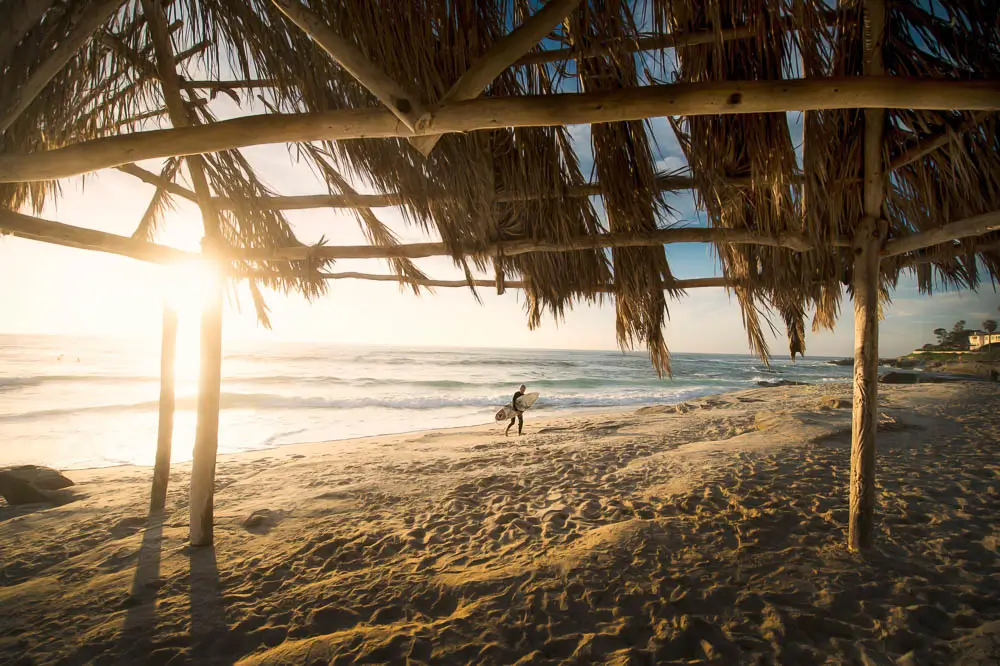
(186, 285)
(185, 288)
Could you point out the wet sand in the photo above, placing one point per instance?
(711, 532)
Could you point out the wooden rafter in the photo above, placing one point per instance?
(57, 233)
(404, 106)
(156, 181)
(969, 227)
(227, 85)
(942, 138)
(642, 44)
(654, 43)
(692, 283)
(727, 97)
(501, 56)
(797, 242)
(193, 51)
(88, 22)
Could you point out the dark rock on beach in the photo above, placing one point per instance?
(902, 362)
(43, 478)
(894, 377)
(781, 382)
(30, 484)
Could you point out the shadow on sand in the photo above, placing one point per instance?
(140, 617)
(208, 630)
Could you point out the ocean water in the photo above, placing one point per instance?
(79, 403)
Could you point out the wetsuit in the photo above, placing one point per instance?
(520, 415)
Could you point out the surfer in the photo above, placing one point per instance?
(519, 417)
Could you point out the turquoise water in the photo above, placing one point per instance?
(75, 403)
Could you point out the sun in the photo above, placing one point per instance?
(185, 288)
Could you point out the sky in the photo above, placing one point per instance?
(48, 289)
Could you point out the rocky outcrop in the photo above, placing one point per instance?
(31, 484)
(780, 382)
(923, 378)
(902, 362)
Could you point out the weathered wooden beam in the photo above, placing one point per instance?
(404, 106)
(971, 226)
(155, 180)
(88, 22)
(929, 144)
(914, 259)
(501, 56)
(57, 233)
(193, 51)
(654, 43)
(307, 201)
(165, 422)
(206, 443)
(692, 283)
(155, 113)
(726, 97)
(797, 242)
(665, 182)
(867, 240)
(134, 59)
(227, 85)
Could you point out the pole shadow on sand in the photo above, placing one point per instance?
(140, 618)
(208, 628)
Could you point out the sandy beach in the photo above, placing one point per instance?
(709, 532)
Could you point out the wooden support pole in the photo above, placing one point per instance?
(485, 113)
(970, 226)
(206, 442)
(165, 427)
(406, 107)
(867, 241)
(501, 55)
(89, 21)
(206, 439)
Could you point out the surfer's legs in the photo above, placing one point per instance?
(520, 422)
(509, 425)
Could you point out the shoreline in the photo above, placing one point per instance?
(561, 414)
(713, 530)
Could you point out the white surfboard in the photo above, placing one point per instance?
(523, 403)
